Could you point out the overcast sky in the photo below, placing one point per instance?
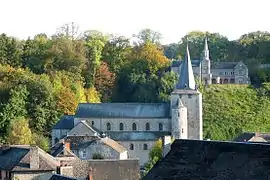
(172, 18)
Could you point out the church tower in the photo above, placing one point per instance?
(206, 65)
(188, 101)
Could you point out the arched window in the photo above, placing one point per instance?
(109, 126)
(145, 147)
(147, 126)
(134, 126)
(131, 146)
(93, 123)
(160, 126)
(121, 126)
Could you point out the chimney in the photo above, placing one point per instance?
(67, 145)
(90, 174)
(34, 157)
(166, 145)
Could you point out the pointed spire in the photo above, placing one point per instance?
(206, 50)
(186, 79)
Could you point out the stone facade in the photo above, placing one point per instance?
(137, 126)
(217, 72)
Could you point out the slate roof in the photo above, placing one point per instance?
(113, 144)
(223, 65)
(177, 63)
(17, 158)
(136, 135)
(127, 110)
(204, 160)
(61, 177)
(65, 122)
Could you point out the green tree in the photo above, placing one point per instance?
(148, 36)
(20, 132)
(95, 42)
(10, 51)
(155, 155)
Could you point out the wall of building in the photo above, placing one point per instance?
(32, 176)
(100, 148)
(193, 102)
(138, 151)
(59, 134)
(101, 123)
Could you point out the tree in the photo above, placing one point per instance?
(218, 45)
(95, 42)
(20, 132)
(104, 82)
(148, 36)
(115, 53)
(36, 54)
(155, 155)
(10, 51)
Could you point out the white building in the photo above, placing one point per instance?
(137, 126)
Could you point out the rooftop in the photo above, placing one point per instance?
(124, 110)
(194, 159)
(65, 122)
(21, 157)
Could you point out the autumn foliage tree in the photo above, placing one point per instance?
(104, 82)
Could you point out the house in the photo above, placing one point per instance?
(25, 162)
(137, 126)
(234, 72)
(87, 142)
(204, 160)
(253, 137)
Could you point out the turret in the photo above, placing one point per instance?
(179, 121)
(206, 65)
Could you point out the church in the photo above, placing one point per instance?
(137, 126)
(216, 72)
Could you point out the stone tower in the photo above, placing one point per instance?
(179, 119)
(206, 65)
(187, 93)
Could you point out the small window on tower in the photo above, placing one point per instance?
(145, 147)
(182, 130)
(189, 96)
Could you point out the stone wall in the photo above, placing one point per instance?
(139, 150)
(101, 123)
(32, 176)
(98, 147)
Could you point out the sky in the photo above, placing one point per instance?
(172, 18)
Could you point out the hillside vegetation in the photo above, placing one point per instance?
(231, 109)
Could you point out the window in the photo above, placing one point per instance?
(147, 126)
(134, 126)
(189, 96)
(109, 126)
(182, 130)
(121, 126)
(145, 147)
(131, 146)
(83, 153)
(160, 127)
(93, 123)
(56, 140)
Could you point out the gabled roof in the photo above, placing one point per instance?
(127, 110)
(136, 135)
(113, 144)
(84, 127)
(17, 158)
(65, 122)
(194, 159)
